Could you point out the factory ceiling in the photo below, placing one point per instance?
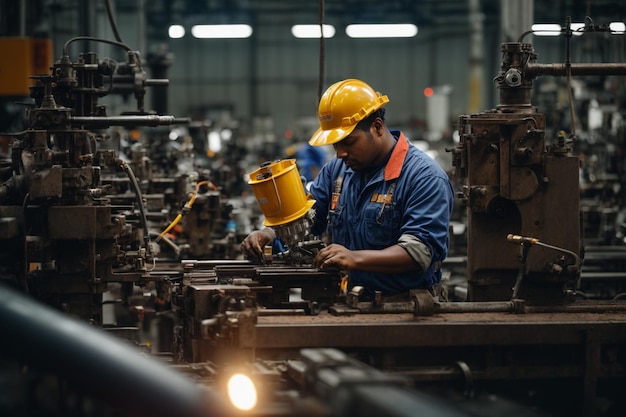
(421, 12)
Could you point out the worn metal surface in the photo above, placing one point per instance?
(579, 357)
(275, 332)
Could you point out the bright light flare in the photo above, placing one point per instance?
(242, 392)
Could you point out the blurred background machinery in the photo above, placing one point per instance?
(67, 241)
(90, 201)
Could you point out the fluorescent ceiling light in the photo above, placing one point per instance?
(312, 31)
(546, 29)
(617, 27)
(176, 31)
(221, 31)
(577, 28)
(381, 31)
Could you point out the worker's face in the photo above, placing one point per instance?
(360, 149)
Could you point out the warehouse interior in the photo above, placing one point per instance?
(130, 140)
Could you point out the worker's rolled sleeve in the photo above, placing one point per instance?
(417, 250)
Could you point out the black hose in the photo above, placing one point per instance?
(142, 209)
(97, 363)
(89, 38)
(112, 21)
(320, 81)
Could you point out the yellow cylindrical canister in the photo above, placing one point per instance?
(279, 191)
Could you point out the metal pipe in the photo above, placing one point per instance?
(215, 262)
(518, 306)
(579, 307)
(281, 312)
(476, 307)
(128, 82)
(387, 307)
(148, 120)
(533, 69)
(97, 362)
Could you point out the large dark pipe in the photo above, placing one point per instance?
(534, 70)
(97, 363)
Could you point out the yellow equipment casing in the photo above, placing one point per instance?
(280, 193)
(21, 58)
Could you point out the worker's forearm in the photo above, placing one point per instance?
(393, 259)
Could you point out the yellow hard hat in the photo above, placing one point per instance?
(342, 107)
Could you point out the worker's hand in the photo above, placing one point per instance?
(335, 256)
(252, 246)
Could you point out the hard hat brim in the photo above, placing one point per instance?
(329, 137)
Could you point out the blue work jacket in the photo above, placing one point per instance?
(410, 194)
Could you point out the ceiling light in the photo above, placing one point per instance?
(176, 31)
(577, 28)
(312, 31)
(221, 31)
(546, 29)
(617, 28)
(381, 31)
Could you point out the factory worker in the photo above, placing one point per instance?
(385, 203)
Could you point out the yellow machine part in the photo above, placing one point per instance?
(279, 191)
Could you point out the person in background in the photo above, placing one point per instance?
(385, 204)
(310, 160)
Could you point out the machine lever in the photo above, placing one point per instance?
(521, 239)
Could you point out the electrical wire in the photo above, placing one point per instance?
(112, 21)
(142, 210)
(90, 38)
(23, 279)
(320, 81)
(185, 208)
(572, 114)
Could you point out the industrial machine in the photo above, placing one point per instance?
(519, 182)
(522, 342)
(78, 214)
(64, 240)
(525, 334)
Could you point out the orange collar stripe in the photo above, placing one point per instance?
(394, 165)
